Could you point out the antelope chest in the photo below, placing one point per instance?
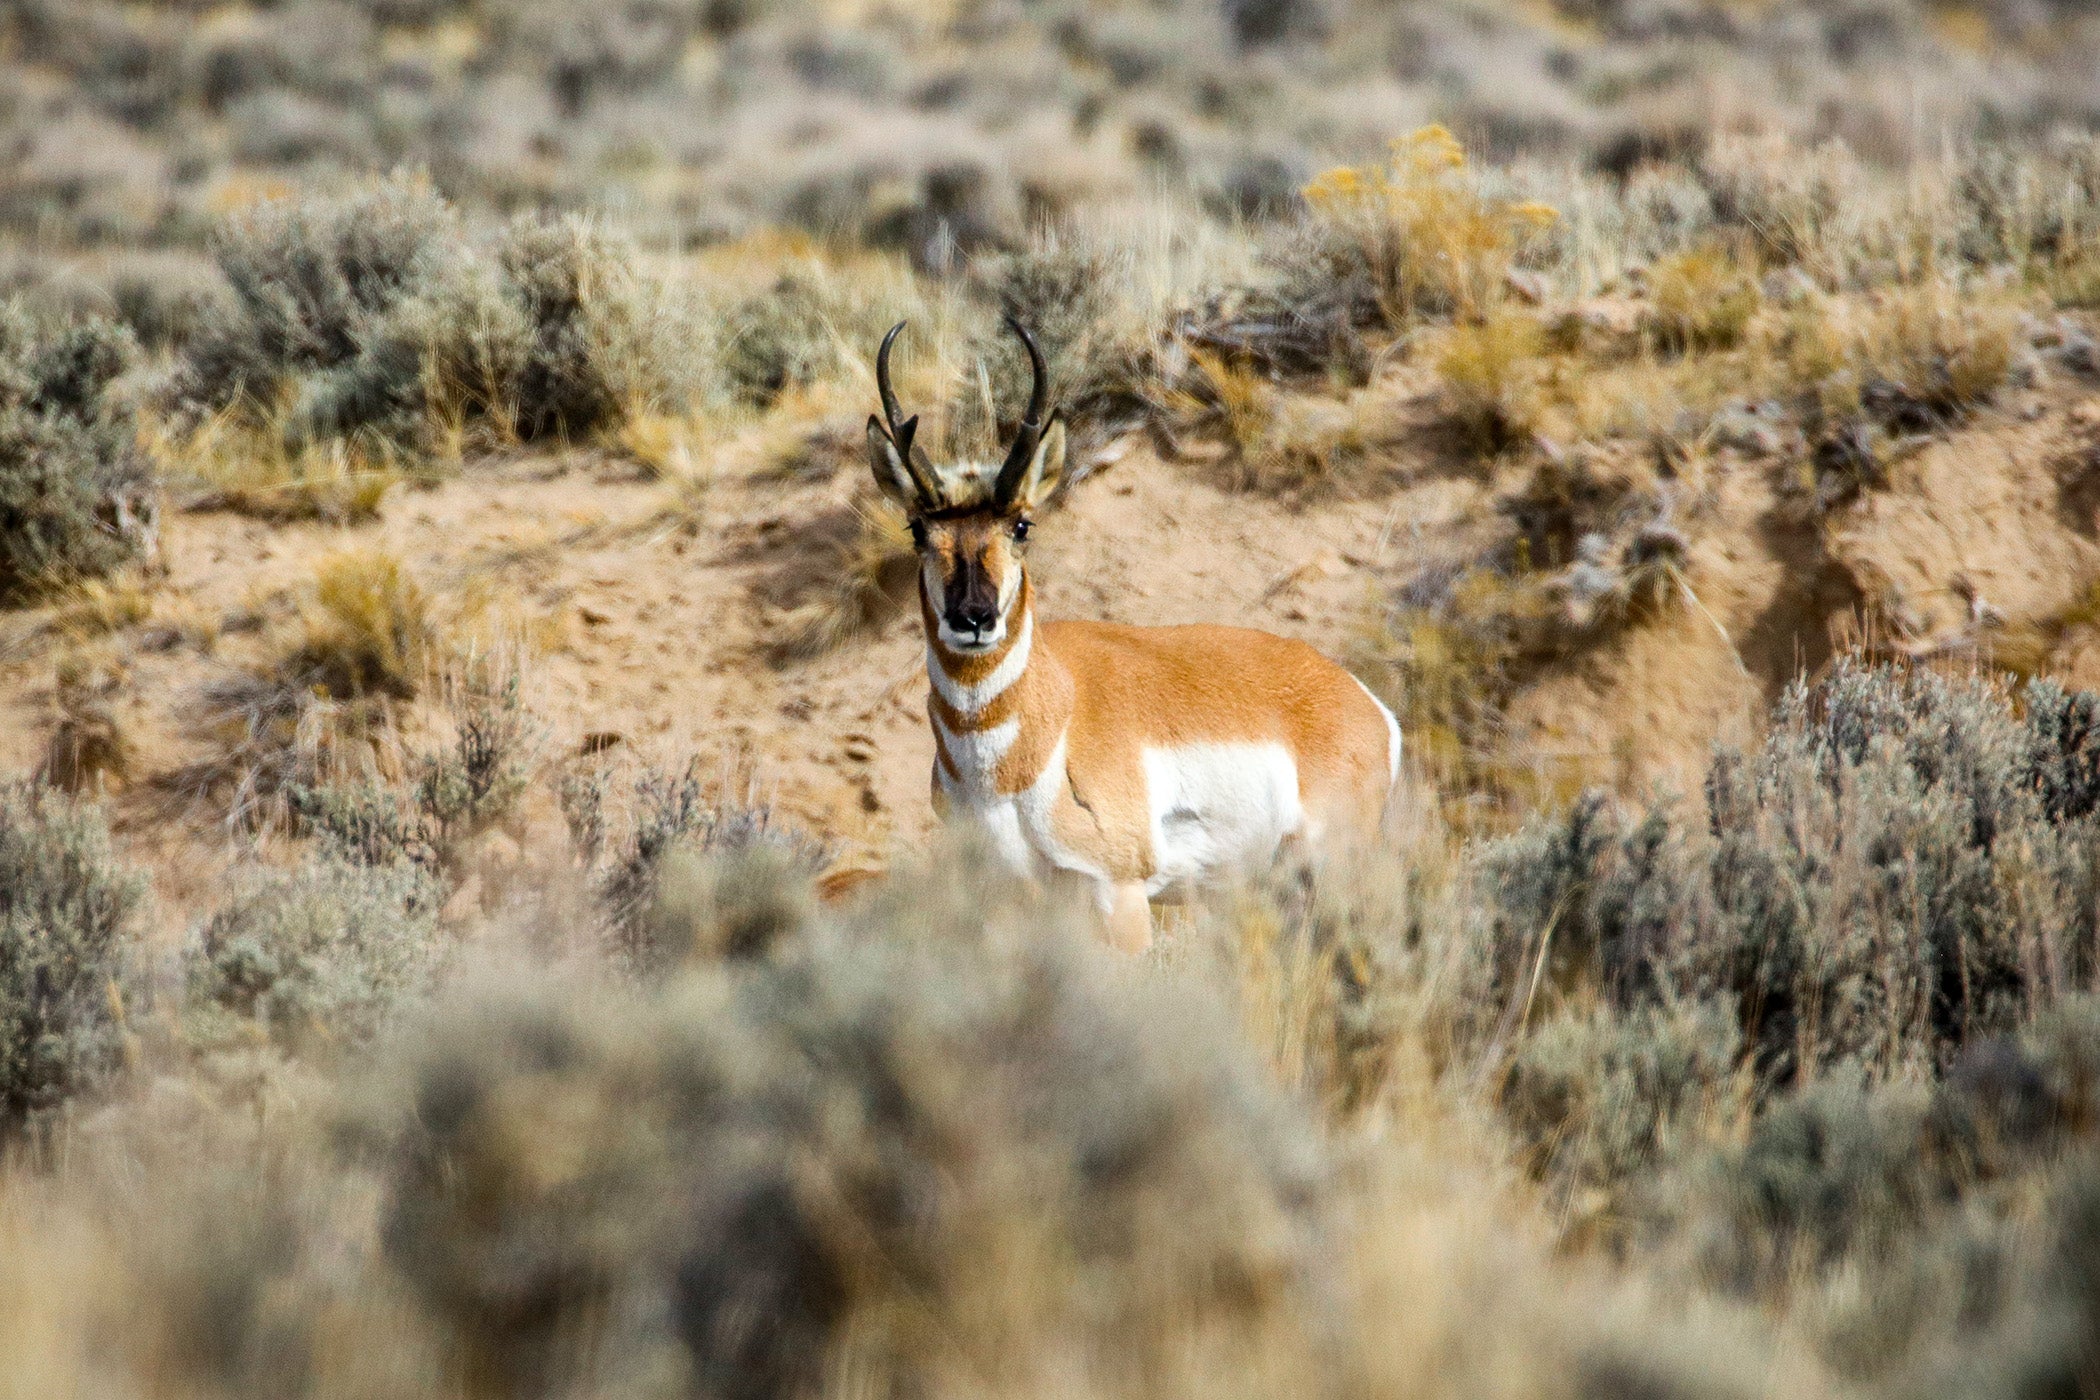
(1184, 814)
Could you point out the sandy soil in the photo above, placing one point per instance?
(656, 631)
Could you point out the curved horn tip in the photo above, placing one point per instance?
(1038, 371)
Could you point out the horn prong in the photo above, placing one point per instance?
(901, 434)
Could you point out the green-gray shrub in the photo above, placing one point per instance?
(1901, 870)
(1070, 299)
(756, 866)
(600, 344)
(625, 1178)
(76, 494)
(460, 789)
(382, 316)
(797, 331)
(66, 913)
(323, 953)
(312, 282)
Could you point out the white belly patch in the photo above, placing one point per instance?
(1218, 805)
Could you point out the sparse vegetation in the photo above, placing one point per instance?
(316, 956)
(1492, 371)
(746, 880)
(366, 628)
(1815, 1131)
(1736, 337)
(867, 581)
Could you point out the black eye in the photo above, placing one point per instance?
(918, 534)
(1021, 528)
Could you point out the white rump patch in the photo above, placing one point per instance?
(1218, 805)
(1392, 736)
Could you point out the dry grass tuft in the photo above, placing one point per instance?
(232, 462)
(864, 583)
(366, 628)
(88, 748)
(1431, 238)
(1494, 374)
(1700, 300)
(99, 607)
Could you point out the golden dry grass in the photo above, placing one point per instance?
(365, 627)
(238, 464)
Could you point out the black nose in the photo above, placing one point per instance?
(972, 617)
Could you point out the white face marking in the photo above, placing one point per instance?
(1216, 806)
(971, 698)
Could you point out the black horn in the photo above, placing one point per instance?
(902, 433)
(1030, 432)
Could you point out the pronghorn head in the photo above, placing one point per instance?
(968, 519)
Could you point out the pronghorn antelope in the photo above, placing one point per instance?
(1137, 759)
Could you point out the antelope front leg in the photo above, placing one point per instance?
(1129, 918)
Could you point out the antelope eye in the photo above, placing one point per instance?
(918, 534)
(1021, 528)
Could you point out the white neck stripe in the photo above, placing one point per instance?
(968, 699)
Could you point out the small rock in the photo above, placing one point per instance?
(591, 616)
(599, 740)
(1527, 286)
(2080, 354)
(1788, 287)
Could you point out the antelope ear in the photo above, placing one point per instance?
(891, 476)
(1046, 468)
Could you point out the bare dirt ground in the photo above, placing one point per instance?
(654, 635)
(655, 631)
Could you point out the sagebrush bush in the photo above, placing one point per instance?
(1881, 885)
(804, 329)
(674, 813)
(66, 915)
(1071, 300)
(925, 1154)
(457, 790)
(320, 955)
(76, 494)
(471, 783)
(602, 343)
(313, 282)
(382, 318)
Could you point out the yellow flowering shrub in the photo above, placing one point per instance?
(1434, 242)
